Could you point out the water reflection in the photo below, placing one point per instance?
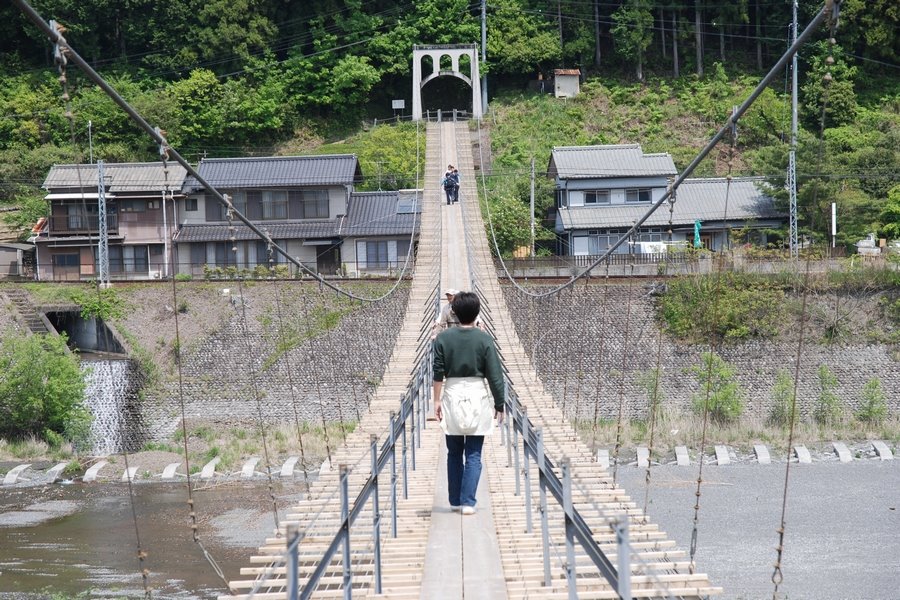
(93, 549)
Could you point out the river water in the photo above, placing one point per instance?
(80, 540)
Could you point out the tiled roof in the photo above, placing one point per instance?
(278, 230)
(702, 199)
(122, 177)
(382, 213)
(566, 72)
(277, 171)
(597, 162)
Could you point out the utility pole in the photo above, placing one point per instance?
(532, 207)
(792, 155)
(90, 144)
(103, 246)
(484, 101)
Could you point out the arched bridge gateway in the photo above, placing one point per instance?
(551, 522)
(446, 61)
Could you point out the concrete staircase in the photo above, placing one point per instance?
(25, 307)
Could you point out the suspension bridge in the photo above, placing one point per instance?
(551, 523)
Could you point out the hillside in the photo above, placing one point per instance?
(286, 78)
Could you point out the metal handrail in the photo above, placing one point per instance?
(413, 406)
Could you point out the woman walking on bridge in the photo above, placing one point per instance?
(473, 395)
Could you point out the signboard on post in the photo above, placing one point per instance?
(398, 105)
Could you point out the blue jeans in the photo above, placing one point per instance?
(462, 478)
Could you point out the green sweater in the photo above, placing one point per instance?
(469, 352)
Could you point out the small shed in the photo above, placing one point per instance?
(567, 82)
(16, 260)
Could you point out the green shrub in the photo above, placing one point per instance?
(727, 306)
(718, 391)
(649, 381)
(183, 277)
(828, 410)
(105, 304)
(41, 388)
(782, 400)
(874, 406)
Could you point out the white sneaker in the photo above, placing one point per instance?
(468, 510)
(455, 508)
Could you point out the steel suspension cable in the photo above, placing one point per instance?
(713, 348)
(288, 367)
(253, 369)
(621, 416)
(60, 55)
(192, 513)
(654, 398)
(777, 574)
(601, 345)
(159, 137)
(318, 384)
(775, 71)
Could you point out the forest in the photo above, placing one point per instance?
(260, 77)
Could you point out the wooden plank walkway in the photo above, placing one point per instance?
(437, 553)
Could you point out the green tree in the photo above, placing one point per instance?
(511, 222)
(633, 32)
(519, 41)
(890, 214)
(839, 93)
(718, 392)
(41, 387)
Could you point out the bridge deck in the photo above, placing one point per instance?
(437, 553)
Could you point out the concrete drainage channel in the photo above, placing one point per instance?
(103, 470)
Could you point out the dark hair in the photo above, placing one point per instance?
(466, 306)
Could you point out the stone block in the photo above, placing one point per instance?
(287, 469)
(249, 468)
(840, 448)
(722, 457)
(643, 456)
(92, 473)
(129, 473)
(882, 450)
(169, 471)
(762, 454)
(209, 469)
(54, 473)
(802, 454)
(603, 457)
(682, 457)
(13, 474)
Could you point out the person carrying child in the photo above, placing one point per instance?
(448, 183)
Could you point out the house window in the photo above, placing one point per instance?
(153, 205)
(66, 260)
(377, 255)
(274, 204)
(239, 201)
(190, 205)
(596, 197)
(649, 234)
(133, 205)
(315, 204)
(638, 195)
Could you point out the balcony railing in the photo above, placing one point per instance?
(81, 224)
